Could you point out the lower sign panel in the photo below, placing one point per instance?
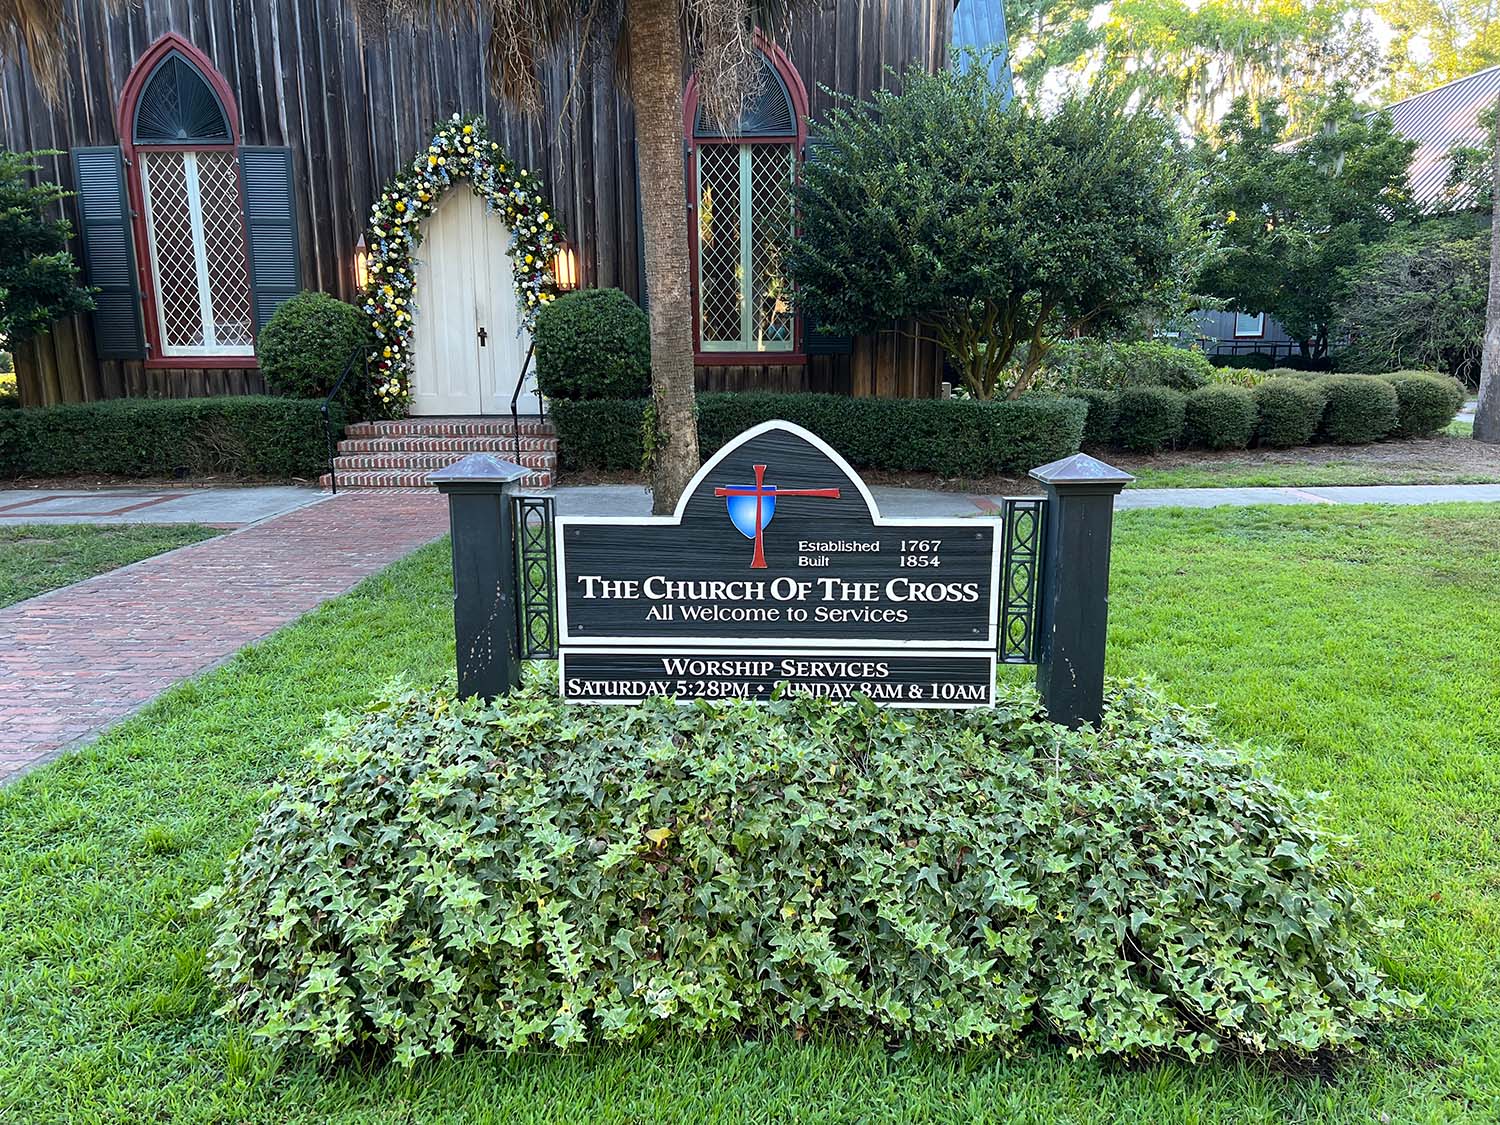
(921, 679)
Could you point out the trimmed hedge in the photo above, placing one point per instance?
(595, 343)
(1361, 408)
(1288, 412)
(1220, 417)
(1109, 365)
(1104, 409)
(242, 435)
(1425, 401)
(956, 438)
(1150, 418)
(599, 434)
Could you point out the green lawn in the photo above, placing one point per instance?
(35, 558)
(1357, 645)
(1251, 474)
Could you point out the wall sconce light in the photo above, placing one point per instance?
(565, 268)
(361, 265)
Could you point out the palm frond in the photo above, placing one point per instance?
(39, 32)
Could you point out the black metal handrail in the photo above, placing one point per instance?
(363, 355)
(515, 397)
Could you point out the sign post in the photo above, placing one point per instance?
(484, 572)
(777, 573)
(1081, 493)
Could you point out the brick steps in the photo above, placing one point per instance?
(447, 427)
(487, 443)
(400, 454)
(396, 479)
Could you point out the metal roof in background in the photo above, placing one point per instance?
(980, 24)
(1440, 120)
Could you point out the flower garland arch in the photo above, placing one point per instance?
(460, 149)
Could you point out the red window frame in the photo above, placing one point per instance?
(130, 94)
(788, 74)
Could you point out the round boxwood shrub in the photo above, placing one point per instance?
(1287, 412)
(1104, 408)
(524, 873)
(1360, 408)
(1149, 419)
(303, 348)
(1425, 401)
(595, 343)
(1220, 417)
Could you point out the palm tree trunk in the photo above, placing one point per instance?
(656, 83)
(1487, 417)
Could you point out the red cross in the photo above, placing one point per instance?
(760, 492)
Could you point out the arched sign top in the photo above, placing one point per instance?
(777, 569)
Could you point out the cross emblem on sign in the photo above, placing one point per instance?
(751, 507)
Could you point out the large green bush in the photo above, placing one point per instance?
(955, 438)
(1104, 408)
(1220, 417)
(1425, 401)
(447, 874)
(595, 343)
(1111, 366)
(306, 344)
(1361, 408)
(1149, 418)
(1287, 412)
(242, 435)
(1256, 361)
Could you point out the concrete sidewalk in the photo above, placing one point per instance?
(634, 500)
(228, 507)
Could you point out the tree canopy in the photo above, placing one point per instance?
(1292, 219)
(38, 276)
(998, 228)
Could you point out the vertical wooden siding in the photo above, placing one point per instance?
(355, 108)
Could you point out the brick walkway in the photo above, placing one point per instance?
(75, 660)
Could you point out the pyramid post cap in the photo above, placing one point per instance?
(1081, 469)
(477, 472)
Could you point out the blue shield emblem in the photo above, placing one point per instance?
(742, 511)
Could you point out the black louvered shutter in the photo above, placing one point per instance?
(109, 252)
(270, 228)
(814, 340)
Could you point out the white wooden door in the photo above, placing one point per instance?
(466, 348)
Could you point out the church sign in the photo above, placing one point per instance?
(777, 574)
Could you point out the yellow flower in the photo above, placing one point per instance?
(386, 353)
(528, 259)
(543, 216)
(468, 128)
(1231, 217)
(431, 160)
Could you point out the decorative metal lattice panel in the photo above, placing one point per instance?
(536, 598)
(174, 262)
(228, 274)
(770, 202)
(744, 196)
(197, 244)
(1022, 522)
(768, 110)
(720, 279)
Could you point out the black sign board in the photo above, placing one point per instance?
(777, 569)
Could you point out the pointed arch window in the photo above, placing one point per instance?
(185, 180)
(740, 187)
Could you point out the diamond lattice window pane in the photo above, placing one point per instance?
(224, 250)
(770, 201)
(173, 257)
(719, 255)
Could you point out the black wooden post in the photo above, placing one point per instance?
(484, 572)
(1081, 493)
